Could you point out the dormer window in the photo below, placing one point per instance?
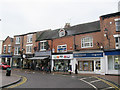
(62, 33)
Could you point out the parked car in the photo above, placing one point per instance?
(4, 66)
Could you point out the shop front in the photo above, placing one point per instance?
(40, 61)
(6, 59)
(62, 62)
(112, 58)
(89, 62)
(16, 62)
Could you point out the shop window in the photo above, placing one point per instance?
(85, 65)
(110, 63)
(29, 38)
(62, 48)
(86, 42)
(117, 62)
(117, 23)
(17, 40)
(98, 65)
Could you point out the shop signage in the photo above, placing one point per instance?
(5, 56)
(67, 56)
(112, 53)
(80, 55)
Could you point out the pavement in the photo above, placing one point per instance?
(8, 80)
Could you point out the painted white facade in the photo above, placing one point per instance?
(110, 65)
(1, 42)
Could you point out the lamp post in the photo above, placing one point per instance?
(106, 35)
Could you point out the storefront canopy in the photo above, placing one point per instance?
(36, 58)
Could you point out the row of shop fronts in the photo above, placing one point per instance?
(94, 62)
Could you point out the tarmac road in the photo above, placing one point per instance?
(43, 80)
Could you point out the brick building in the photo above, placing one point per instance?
(24, 48)
(1, 43)
(110, 27)
(7, 51)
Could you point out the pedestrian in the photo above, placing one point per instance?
(50, 68)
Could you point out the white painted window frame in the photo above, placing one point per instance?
(62, 46)
(83, 42)
(42, 49)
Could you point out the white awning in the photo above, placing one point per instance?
(36, 58)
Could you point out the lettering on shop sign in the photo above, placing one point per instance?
(61, 57)
(79, 55)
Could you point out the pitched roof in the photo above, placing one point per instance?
(110, 15)
(73, 30)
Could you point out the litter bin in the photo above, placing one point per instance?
(8, 72)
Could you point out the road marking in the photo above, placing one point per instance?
(24, 79)
(107, 88)
(82, 78)
(89, 84)
(110, 84)
(73, 76)
(94, 81)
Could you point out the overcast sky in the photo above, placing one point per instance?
(23, 16)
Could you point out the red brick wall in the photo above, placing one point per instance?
(64, 40)
(97, 37)
(7, 42)
(105, 23)
(33, 42)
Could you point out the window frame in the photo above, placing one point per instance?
(61, 46)
(88, 42)
(4, 48)
(29, 38)
(9, 48)
(17, 40)
(43, 45)
(117, 25)
(29, 48)
(16, 50)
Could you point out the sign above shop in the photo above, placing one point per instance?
(80, 55)
(67, 56)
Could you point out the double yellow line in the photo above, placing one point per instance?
(24, 79)
(110, 84)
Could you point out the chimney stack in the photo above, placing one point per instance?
(67, 25)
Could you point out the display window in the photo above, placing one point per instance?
(114, 62)
(98, 65)
(61, 65)
(85, 65)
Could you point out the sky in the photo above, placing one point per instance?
(24, 16)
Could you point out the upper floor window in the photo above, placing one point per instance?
(117, 41)
(29, 48)
(4, 49)
(9, 48)
(42, 45)
(17, 40)
(16, 51)
(29, 38)
(86, 42)
(117, 23)
(62, 48)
